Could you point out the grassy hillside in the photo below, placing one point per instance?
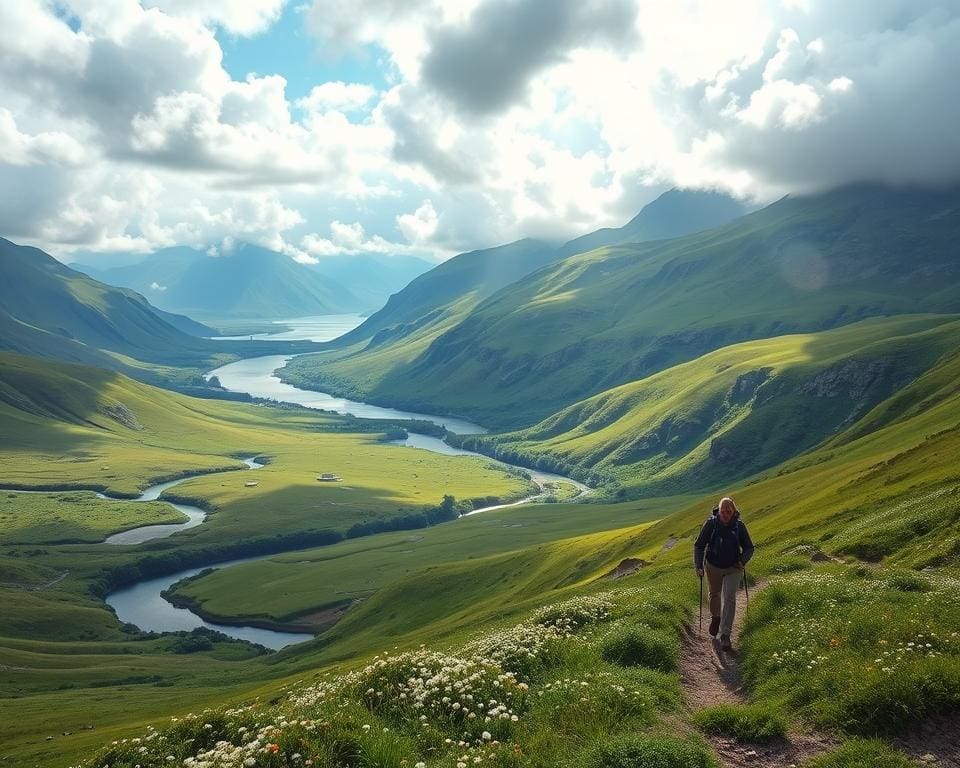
(50, 311)
(363, 362)
(298, 584)
(413, 318)
(732, 412)
(41, 296)
(886, 485)
(809, 651)
(617, 314)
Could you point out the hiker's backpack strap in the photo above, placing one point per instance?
(711, 542)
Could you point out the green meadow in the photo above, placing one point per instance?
(74, 517)
(293, 585)
(66, 427)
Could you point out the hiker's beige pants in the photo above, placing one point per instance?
(723, 583)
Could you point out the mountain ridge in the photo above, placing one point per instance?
(250, 281)
(49, 310)
(622, 312)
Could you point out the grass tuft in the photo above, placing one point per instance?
(640, 646)
(651, 752)
(755, 723)
(859, 753)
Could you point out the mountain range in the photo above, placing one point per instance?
(251, 282)
(51, 311)
(619, 313)
(371, 359)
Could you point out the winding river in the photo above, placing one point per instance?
(142, 603)
(195, 515)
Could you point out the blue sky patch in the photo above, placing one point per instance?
(287, 49)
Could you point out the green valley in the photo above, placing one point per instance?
(834, 425)
(50, 311)
(371, 360)
(484, 384)
(66, 426)
(498, 610)
(599, 319)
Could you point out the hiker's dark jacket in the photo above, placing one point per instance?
(722, 545)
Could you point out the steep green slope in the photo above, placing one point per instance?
(732, 412)
(599, 319)
(413, 318)
(44, 305)
(48, 310)
(468, 277)
(365, 361)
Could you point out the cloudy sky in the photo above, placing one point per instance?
(430, 127)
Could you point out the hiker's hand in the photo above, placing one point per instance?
(700, 572)
(740, 566)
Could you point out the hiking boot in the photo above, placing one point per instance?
(725, 643)
(714, 626)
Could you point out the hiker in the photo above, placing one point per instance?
(721, 551)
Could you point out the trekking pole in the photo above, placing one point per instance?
(701, 605)
(746, 588)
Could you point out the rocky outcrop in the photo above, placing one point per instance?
(851, 379)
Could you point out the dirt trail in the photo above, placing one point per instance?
(934, 743)
(711, 676)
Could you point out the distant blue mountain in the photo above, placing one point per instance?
(254, 282)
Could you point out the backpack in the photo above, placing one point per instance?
(723, 549)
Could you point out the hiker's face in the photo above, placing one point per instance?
(726, 513)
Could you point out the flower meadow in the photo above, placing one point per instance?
(861, 650)
(537, 693)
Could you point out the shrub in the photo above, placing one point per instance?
(862, 752)
(651, 752)
(753, 722)
(662, 613)
(640, 646)
(525, 650)
(191, 644)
